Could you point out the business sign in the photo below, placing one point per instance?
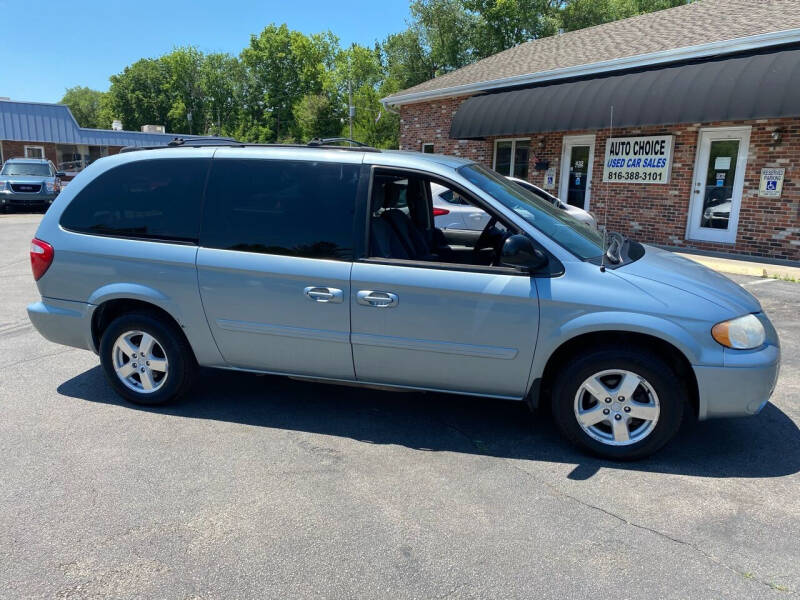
(638, 159)
(771, 183)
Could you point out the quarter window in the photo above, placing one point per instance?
(294, 208)
(148, 199)
(511, 157)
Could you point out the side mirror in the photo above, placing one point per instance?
(60, 174)
(519, 252)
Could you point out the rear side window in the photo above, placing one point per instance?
(293, 208)
(157, 199)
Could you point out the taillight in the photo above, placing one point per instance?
(440, 212)
(41, 257)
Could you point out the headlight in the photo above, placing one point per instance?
(741, 333)
(3, 186)
(50, 186)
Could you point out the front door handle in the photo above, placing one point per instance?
(324, 294)
(377, 299)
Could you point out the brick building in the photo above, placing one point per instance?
(679, 127)
(41, 130)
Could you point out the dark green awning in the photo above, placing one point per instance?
(755, 86)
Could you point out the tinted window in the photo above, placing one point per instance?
(150, 199)
(295, 208)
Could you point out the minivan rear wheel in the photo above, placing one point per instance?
(146, 360)
(618, 404)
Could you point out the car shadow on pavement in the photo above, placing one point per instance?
(752, 447)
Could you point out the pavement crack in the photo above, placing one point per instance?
(34, 358)
(661, 534)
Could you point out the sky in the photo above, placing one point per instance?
(57, 45)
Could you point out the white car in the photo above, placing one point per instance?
(451, 212)
(582, 215)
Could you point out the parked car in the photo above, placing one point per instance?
(581, 215)
(325, 263)
(452, 212)
(28, 183)
(717, 214)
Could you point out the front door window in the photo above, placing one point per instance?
(576, 170)
(720, 175)
(718, 182)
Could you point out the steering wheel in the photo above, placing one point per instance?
(490, 237)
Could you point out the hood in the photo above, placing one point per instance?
(691, 277)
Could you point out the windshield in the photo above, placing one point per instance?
(22, 168)
(580, 239)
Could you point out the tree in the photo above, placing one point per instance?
(88, 106)
(221, 82)
(140, 94)
(503, 24)
(317, 116)
(182, 68)
(578, 14)
(405, 59)
(284, 66)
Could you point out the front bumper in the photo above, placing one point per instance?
(26, 200)
(63, 322)
(740, 390)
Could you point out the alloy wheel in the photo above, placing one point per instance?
(617, 407)
(140, 362)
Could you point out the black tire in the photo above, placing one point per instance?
(669, 388)
(181, 361)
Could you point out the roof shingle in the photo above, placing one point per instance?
(701, 22)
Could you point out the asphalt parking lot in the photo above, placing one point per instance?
(263, 487)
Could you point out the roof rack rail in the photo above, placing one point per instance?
(336, 140)
(209, 140)
(322, 144)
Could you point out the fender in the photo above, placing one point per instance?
(550, 339)
(135, 291)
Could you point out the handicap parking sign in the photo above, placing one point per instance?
(771, 183)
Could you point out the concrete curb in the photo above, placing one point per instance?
(744, 267)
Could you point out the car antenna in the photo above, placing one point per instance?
(605, 202)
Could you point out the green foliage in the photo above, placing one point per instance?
(578, 14)
(503, 24)
(317, 116)
(289, 86)
(283, 66)
(89, 107)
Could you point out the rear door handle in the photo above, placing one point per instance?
(324, 294)
(377, 299)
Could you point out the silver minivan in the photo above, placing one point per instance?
(325, 262)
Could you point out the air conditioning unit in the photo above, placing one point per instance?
(153, 129)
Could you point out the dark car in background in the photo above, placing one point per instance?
(29, 183)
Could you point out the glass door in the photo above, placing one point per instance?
(576, 170)
(717, 184)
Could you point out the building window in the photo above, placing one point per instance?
(511, 157)
(34, 151)
(427, 148)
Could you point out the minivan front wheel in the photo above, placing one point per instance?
(146, 360)
(618, 404)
